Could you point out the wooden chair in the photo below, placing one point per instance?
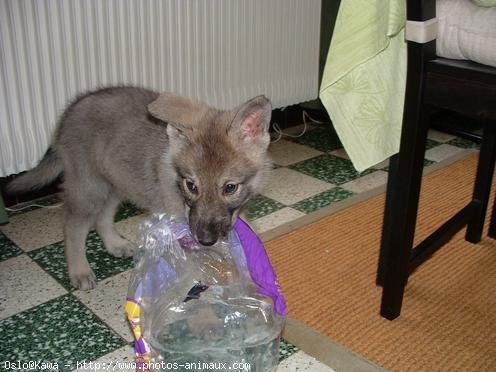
(466, 87)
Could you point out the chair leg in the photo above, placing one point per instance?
(483, 180)
(401, 213)
(388, 221)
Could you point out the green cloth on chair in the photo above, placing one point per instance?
(363, 86)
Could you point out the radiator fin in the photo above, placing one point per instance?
(219, 51)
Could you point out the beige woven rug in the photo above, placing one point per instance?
(448, 323)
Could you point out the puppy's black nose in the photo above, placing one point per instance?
(207, 243)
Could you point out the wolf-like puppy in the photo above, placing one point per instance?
(164, 153)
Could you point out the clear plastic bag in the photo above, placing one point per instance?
(194, 308)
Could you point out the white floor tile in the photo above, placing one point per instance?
(129, 228)
(383, 164)
(35, 229)
(23, 284)
(286, 152)
(340, 153)
(439, 136)
(301, 361)
(288, 186)
(443, 152)
(367, 182)
(275, 219)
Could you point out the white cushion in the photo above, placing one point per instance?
(466, 31)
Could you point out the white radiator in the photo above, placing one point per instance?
(219, 51)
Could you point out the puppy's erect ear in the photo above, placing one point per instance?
(180, 111)
(251, 120)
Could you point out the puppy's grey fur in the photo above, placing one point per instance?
(165, 153)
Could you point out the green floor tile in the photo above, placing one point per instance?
(32, 205)
(464, 143)
(429, 144)
(126, 210)
(7, 248)
(322, 200)
(286, 350)
(261, 206)
(61, 331)
(427, 162)
(51, 258)
(330, 168)
(323, 139)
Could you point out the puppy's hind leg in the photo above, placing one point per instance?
(115, 244)
(76, 229)
(84, 196)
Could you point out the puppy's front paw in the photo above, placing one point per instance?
(84, 281)
(124, 249)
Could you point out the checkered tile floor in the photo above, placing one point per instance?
(43, 319)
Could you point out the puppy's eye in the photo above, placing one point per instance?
(230, 188)
(191, 186)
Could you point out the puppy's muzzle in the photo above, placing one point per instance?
(209, 232)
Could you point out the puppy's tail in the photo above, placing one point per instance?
(49, 168)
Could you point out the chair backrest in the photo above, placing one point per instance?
(462, 86)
